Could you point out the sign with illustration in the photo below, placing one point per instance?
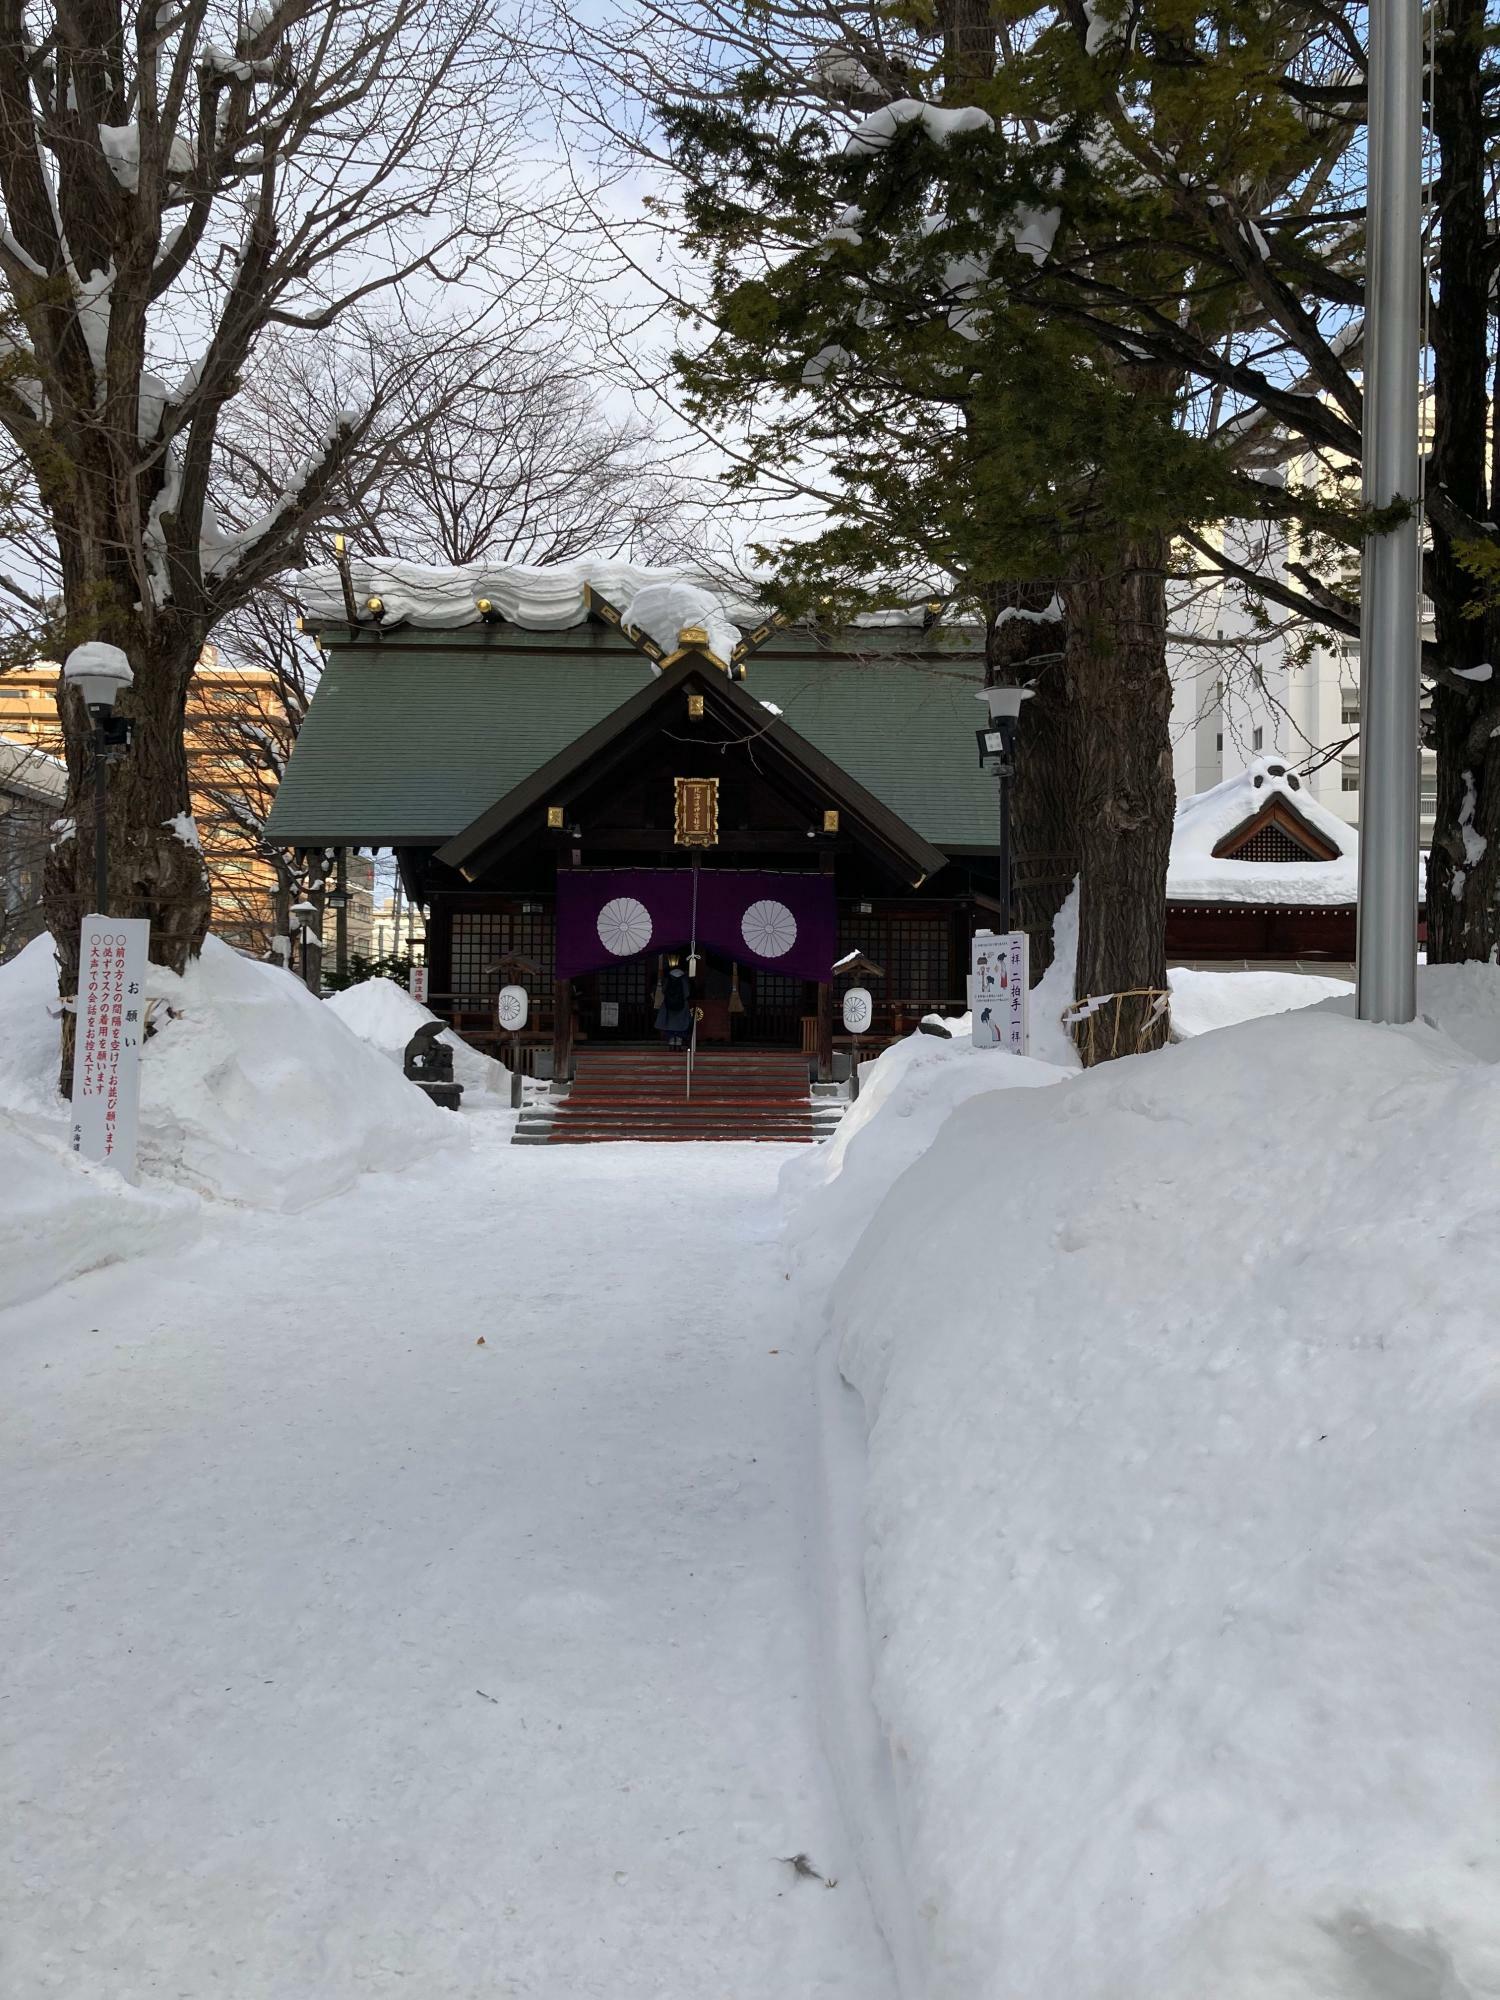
(111, 1027)
(999, 990)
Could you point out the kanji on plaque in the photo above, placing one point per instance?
(107, 1045)
(697, 812)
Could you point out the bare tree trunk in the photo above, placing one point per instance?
(1044, 790)
(153, 871)
(1118, 677)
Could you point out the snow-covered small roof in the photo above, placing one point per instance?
(31, 772)
(1196, 874)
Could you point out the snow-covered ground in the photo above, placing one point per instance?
(1203, 1001)
(1183, 1538)
(428, 1568)
(252, 1090)
(386, 1016)
(345, 1655)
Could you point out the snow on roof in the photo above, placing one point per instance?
(550, 597)
(1196, 875)
(32, 772)
(538, 597)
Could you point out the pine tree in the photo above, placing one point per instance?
(955, 311)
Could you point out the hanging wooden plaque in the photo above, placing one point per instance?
(696, 823)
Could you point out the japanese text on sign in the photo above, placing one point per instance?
(107, 1044)
(696, 818)
(999, 986)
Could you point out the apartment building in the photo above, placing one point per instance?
(239, 736)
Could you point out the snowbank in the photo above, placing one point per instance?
(61, 1217)
(1202, 1001)
(1184, 1540)
(906, 1094)
(251, 1090)
(1463, 1001)
(386, 1016)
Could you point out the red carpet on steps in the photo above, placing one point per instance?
(642, 1093)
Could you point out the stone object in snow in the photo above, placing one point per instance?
(428, 1063)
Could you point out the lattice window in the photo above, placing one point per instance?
(1273, 843)
(481, 937)
(912, 950)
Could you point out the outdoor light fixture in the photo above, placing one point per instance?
(101, 674)
(338, 899)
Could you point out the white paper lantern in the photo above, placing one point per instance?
(512, 1008)
(859, 1010)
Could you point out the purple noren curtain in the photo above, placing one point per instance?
(786, 923)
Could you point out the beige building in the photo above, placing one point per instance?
(239, 736)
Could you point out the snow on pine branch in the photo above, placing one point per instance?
(940, 124)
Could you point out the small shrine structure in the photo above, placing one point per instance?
(1260, 871)
(594, 766)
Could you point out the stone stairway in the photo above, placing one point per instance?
(641, 1093)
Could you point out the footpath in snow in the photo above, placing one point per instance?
(347, 1656)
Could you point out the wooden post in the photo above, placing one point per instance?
(826, 866)
(515, 1072)
(562, 1030)
(825, 1030)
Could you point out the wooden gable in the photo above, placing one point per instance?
(1277, 833)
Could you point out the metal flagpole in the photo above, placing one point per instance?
(1389, 627)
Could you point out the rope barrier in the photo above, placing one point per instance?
(1088, 1012)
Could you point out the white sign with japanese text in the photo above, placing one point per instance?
(999, 990)
(416, 980)
(107, 1048)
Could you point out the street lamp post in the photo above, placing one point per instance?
(997, 753)
(101, 673)
(338, 902)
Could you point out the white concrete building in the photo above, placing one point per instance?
(1241, 694)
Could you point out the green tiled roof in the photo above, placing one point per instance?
(413, 734)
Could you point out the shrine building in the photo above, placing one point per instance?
(591, 769)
